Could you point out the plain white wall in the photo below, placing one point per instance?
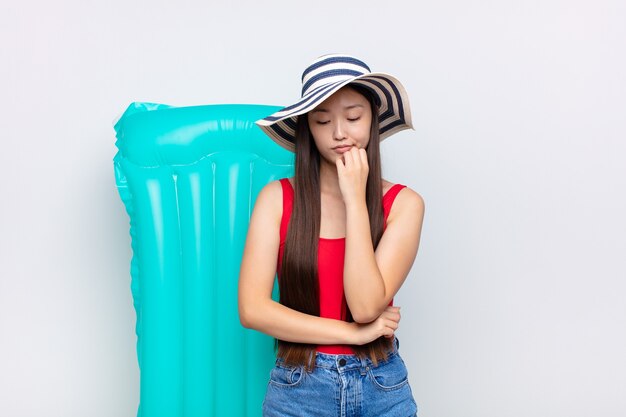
(516, 303)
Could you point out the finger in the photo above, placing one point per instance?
(356, 156)
(392, 324)
(363, 155)
(392, 309)
(391, 313)
(393, 316)
(339, 164)
(387, 314)
(347, 156)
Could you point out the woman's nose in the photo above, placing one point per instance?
(339, 132)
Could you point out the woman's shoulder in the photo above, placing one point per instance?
(272, 189)
(270, 199)
(406, 200)
(387, 185)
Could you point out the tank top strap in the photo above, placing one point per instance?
(389, 198)
(287, 206)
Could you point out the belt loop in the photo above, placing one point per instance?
(364, 365)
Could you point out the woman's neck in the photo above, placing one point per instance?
(329, 180)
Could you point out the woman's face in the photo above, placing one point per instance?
(341, 121)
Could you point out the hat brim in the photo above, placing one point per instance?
(393, 110)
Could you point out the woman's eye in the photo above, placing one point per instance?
(319, 122)
(354, 120)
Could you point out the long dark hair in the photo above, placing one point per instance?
(298, 278)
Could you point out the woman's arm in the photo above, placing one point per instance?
(257, 310)
(372, 278)
(291, 325)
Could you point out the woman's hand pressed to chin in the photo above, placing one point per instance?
(352, 170)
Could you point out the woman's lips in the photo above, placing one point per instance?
(343, 149)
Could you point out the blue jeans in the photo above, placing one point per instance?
(343, 386)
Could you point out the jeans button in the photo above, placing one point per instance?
(342, 362)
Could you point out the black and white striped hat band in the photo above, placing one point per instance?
(327, 74)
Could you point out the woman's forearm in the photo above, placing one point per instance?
(362, 281)
(287, 324)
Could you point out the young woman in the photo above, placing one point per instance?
(342, 241)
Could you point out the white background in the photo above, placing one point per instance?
(516, 303)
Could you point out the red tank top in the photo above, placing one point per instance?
(331, 253)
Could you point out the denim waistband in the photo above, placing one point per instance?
(347, 361)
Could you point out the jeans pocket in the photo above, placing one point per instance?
(286, 376)
(389, 375)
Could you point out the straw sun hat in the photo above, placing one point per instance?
(327, 74)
